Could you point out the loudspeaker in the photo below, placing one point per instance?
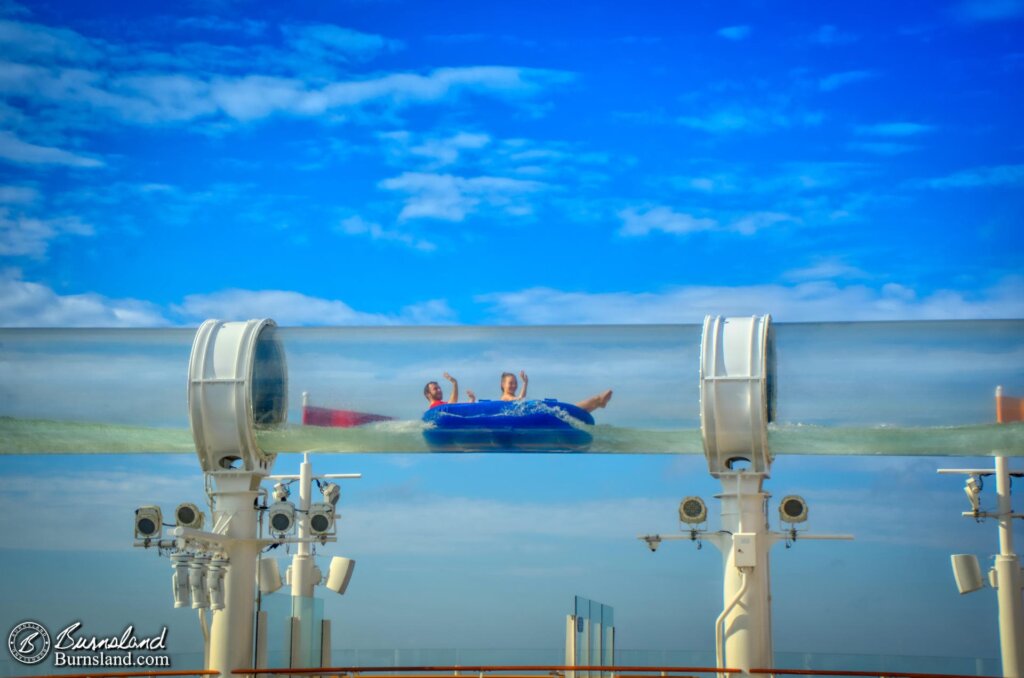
(340, 574)
(967, 572)
(269, 576)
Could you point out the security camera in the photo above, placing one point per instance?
(281, 492)
(321, 518)
(972, 488)
(693, 510)
(281, 517)
(793, 509)
(653, 542)
(188, 515)
(331, 493)
(148, 522)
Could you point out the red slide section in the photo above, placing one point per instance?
(324, 416)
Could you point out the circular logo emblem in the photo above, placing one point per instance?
(29, 642)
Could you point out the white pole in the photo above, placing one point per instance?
(1008, 576)
(302, 572)
(747, 624)
(302, 561)
(570, 644)
(231, 641)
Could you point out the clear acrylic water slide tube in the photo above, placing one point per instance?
(895, 388)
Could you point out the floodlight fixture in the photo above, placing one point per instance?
(693, 510)
(281, 517)
(321, 519)
(972, 488)
(793, 509)
(188, 515)
(653, 541)
(331, 492)
(148, 522)
(281, 492)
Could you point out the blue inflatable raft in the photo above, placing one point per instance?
(515, 425)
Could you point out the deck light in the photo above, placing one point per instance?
(188, 515)
(148, 522)
(321, 518)
(793, 509)
(281, 517)
(693, 510)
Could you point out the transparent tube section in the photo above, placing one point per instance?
(913, 388)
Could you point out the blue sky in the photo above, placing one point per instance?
(433, 163)
(376, 162)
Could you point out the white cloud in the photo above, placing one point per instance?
(295, 308)
(446, 151)
(750, 119)
(830, 35)
(328, 41)
(356, 225)
(28, 304)
(834, 81)
(640, 222)
(663, 219)
(18, 195)
(452, 198)
(787, 179)
(825, 268)
(15, 150)
(895, 129)
(719, 122)
(881, 147)
(815, 301)
(25, 236)
(980, 177)
(748, 224)
(58, 68)
(981, 11)
(35, 42)
(256, 96)
(734, 32)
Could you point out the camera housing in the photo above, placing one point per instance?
(331, 492)
(972, 488)
(653, 542)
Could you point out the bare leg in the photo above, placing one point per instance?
(594, 402)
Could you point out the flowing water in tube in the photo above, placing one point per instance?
(894, 388)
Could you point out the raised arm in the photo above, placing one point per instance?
(455, 388)
(526, 382)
